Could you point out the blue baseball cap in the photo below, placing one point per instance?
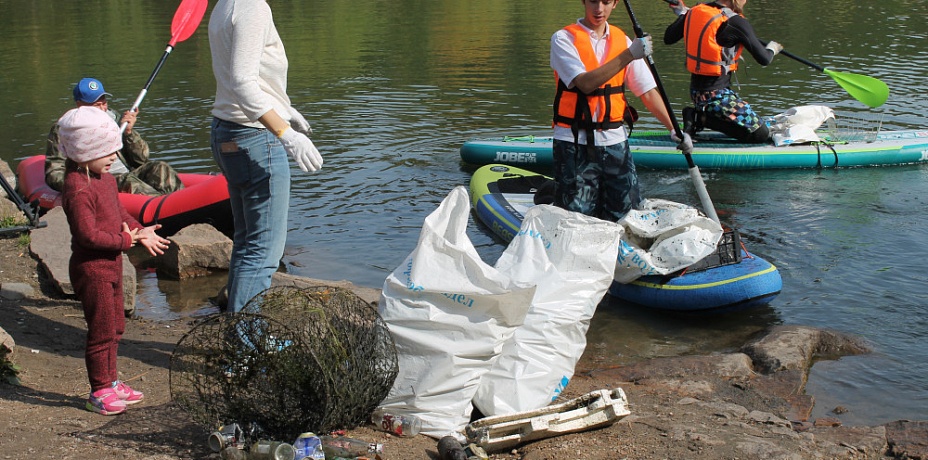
(89, 90)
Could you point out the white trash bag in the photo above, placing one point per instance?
(572, 258)
(662, 237)
(798, 124)
(450, 314)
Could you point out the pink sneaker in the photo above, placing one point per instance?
(126, 393)
(105, 402)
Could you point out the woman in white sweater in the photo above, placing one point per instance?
(254, 128)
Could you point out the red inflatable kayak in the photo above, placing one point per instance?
(203, 200)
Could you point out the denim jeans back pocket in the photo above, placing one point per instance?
(240, 152)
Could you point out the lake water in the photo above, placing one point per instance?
(393, 89)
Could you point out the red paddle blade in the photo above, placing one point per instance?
(186, 20)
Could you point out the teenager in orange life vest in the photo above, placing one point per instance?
(594, 62)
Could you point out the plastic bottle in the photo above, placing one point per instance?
(271, 450)
(400, 425)
(308, 446)
(341, 446)
(450, 449)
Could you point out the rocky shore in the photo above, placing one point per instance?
(745, 404)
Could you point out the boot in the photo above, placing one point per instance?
(689, 121)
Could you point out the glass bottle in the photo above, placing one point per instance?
(233, 453)
(450, 449)
(271, 450)
(342, 446)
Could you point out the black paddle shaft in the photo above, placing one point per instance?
(707, 205)
(660, 86)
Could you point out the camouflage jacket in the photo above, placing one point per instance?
(134, 153)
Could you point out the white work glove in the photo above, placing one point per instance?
(685, 145)
(299, 123)
(775, 47)
(678, 7)
(641, 47)
(302, 150)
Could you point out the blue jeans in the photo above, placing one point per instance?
(255, 165)
(601, 182)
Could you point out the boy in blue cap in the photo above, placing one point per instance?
(133, 171)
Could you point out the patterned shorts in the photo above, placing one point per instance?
(600, 181)
(725, 103)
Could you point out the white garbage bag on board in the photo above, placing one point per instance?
(571, 257)
(450, 314)
(662, 237)
(798, 124)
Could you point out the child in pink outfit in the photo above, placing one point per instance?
(101, 230)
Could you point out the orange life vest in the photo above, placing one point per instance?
(575, 110)
(704, 55)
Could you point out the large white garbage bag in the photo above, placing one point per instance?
(572, 258)
(450, 314)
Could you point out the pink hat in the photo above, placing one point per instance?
(87, 133)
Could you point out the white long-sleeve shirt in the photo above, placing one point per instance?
(249, 62)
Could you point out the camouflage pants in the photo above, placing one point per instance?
(597, 181)
(152, 178)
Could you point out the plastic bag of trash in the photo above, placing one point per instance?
(571, 257)
(662, 237)
(798, 124)
(449, 313)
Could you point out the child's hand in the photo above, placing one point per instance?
(133, 234)
(152, 241)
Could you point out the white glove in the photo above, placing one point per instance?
(299, 123)
(775, 47)
(685, 145)
(678, 7)
(302, 150)
(641, 47)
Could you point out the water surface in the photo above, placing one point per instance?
(393, 89)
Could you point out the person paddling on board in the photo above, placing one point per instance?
(714, 35)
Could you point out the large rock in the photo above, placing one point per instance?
(10, 177)
(15, 291)
(196, 250)
(908, 439)
(7, 344)
(369, 295)
(51, 245)
(795, 347)
(729, 366)
(9, 212)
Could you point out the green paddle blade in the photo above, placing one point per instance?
(865, 89)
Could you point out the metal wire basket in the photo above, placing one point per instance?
(293, 360)
(852, 127)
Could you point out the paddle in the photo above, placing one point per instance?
(694, 170)
(868, 90)
(186, 20)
